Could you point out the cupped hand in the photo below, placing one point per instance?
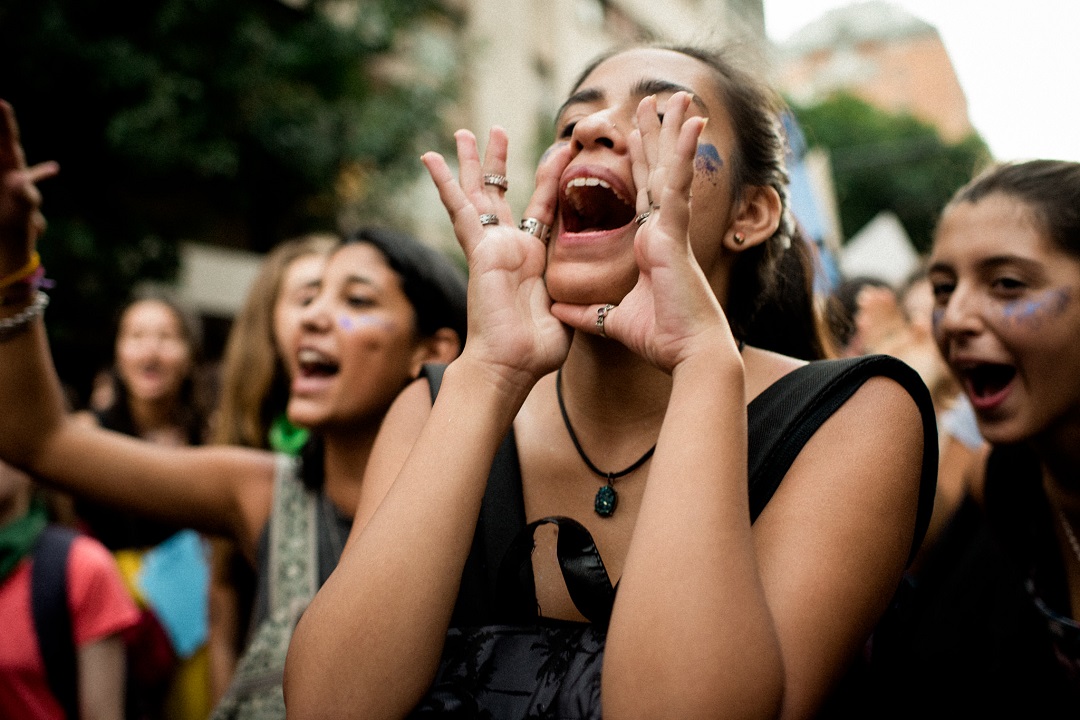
(21, 220)
(672, 312)
(511, 327)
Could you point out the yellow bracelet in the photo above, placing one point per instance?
(22, 273)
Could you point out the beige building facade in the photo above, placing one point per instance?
(518, 59)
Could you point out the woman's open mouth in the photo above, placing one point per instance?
(987, 385)
(590, 204)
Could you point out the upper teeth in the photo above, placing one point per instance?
(593, 182)
(310, 356)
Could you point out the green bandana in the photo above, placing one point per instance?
(17, 538)
(286, 437)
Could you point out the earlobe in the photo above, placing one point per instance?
(757, 218)
(441, 347)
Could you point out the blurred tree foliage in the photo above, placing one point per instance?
(882, 161)
(235, 123)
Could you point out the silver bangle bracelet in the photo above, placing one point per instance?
(12, 326)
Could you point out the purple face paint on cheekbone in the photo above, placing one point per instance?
(1032, 312)
(349, 324)
(708, 162)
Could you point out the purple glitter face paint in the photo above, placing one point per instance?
(349, 324)
(1033, 312)
(935, 319)
(708, 162)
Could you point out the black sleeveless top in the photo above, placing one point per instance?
(497, 585)
(501, 659)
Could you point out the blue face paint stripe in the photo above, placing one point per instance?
(1027, 311)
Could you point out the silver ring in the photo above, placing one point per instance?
(489, 219)
(535, 228)
(498, 181)
(601, 315)
(640, 219)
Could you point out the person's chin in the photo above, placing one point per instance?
(588, 284)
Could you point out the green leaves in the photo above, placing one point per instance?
(239, 123)
(882, 161)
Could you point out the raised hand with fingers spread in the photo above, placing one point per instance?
(511, 326)
(21, 219)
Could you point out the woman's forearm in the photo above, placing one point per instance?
(691, 632)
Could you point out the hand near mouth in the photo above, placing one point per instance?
(511, 327)
(672, 312)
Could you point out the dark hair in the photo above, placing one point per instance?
(436, 289)
(1051, 188)
(191, 413)
(842, 305)
(770, 301)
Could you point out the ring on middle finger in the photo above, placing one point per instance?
(498, 181)
(489, 219)
(640, 219)
(535, 228)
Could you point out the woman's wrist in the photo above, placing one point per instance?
(509, 386)
(18, 323)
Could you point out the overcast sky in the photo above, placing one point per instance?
(1018, 62)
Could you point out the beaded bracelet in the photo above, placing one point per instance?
(12, 326)
(22, 273)
(22, 290)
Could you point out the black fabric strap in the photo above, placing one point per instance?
(582, 568)
(788, 413)
(52, 617)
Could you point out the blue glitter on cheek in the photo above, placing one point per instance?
(1032, 312)
(708, 161)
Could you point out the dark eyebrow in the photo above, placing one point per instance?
(361, 280)
(990, 263)
(582, 96)
(646, 87)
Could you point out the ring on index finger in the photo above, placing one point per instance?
(640, 219)
(498, 181)
(535, 228)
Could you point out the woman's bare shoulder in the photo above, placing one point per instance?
(765, 367)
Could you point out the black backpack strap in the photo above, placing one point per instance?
(788, 413)
(52, 617)
(502, 515)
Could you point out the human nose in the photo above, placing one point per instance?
(599, 129)
(316, 314)
(960, 316)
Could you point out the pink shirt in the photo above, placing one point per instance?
(100, 606)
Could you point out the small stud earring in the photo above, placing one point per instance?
(739, 238)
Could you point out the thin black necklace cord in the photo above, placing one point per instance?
(609, 476)
(606, 498)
